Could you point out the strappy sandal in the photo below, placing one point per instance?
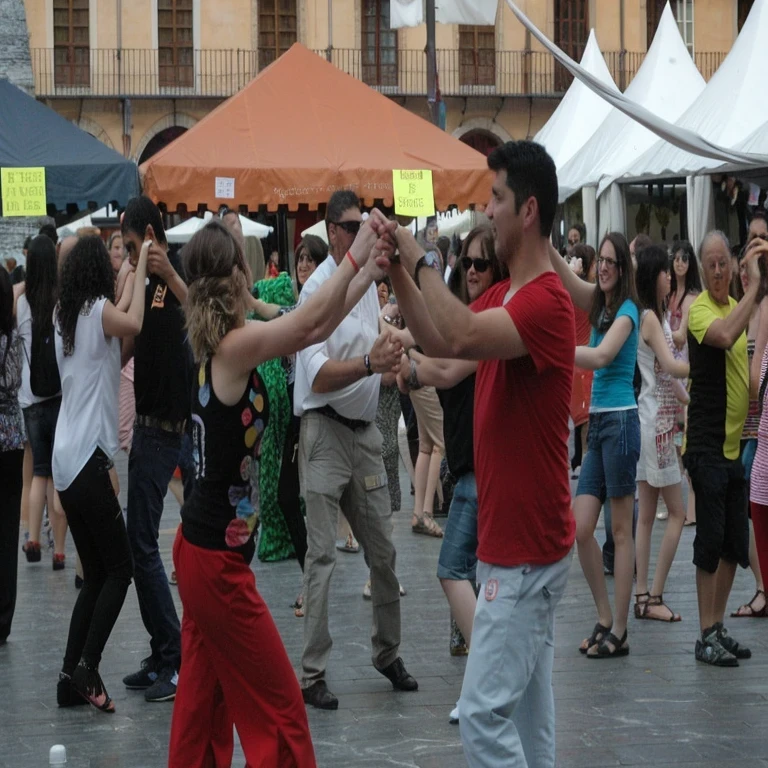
(598, 633)
(741, 613)
(641, 606)
(655, 601)
(87, 681)
(298, 607)
(426, 526)
(604, 651)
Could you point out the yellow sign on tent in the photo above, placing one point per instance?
(413, 193)
(23, 191)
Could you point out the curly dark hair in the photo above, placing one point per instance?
(85, 277)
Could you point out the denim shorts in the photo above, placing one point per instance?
(613, 449)
(40, 421)
(458, 554)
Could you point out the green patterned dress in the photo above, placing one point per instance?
(274, 542)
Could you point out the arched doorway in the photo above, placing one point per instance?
(481, 140)
(161, 140)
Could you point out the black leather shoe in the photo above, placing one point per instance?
(398, 675)
(319, 696)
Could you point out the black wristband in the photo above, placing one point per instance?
(367, 363)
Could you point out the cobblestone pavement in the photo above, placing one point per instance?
(657, 707)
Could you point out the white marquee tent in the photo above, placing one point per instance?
(581, 111)
(666, 84)
(731, 111)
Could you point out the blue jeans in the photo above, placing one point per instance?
(155, 455)
(507, 704)
(458, 553)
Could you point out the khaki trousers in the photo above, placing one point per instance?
(343, 468)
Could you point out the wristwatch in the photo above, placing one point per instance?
(367, 363)
(430, 259)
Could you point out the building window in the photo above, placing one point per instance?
(684, 16)
(653, 17)
(277, 29)
(477, 55)
(71, 43)
(175, 43)
(379, 44)
(571, 33)
(744, 7)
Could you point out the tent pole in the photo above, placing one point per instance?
(329, 51)
(431, 64)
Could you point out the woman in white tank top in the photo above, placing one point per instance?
(88, 331)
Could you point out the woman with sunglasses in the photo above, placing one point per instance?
(685, 286)
(609, 468)
(658, 469)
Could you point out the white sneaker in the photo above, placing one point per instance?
(367, 590)
(453, 718)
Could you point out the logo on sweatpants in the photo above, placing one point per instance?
(491, 589)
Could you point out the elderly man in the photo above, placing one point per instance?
(340, 465)
(719, 392)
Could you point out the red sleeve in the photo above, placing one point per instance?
(543, 315)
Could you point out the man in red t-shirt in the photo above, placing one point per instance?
(522, 333)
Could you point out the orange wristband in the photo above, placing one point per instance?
(352, 260)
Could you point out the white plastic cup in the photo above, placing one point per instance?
(57, 755)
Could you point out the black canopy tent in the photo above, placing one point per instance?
(80, 171)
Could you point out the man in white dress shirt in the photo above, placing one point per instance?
(340, 465)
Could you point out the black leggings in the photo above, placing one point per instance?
(288, 487)
(97, 525)
(10, 506)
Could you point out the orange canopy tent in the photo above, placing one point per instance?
(299, 131)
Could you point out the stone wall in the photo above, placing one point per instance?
(16, 66)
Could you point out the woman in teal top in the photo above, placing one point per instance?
(609, 468)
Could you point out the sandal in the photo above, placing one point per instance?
(641, 606)
(598, 633)
(87, 681)
(748, 611)
(604, 650)
(298, 607)
(426, 526)
(350, 545)
(655, 601)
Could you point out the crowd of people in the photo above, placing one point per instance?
(274, 413)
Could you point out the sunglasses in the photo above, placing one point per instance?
(350, 227)
(480, 265)
(682, 256)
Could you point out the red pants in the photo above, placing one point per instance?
(760, 527)
(234, 671)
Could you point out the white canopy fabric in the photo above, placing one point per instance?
(681, 137)
(700, 207)
(581, 111)
(730, 112)
(666, 84)
(319, 230)
(108, 212)
(183, 232)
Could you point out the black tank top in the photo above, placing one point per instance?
(223, 511)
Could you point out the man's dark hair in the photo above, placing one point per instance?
(50, 232)
(759, 213)
(27, 242)
(139, 213)
(642, 241)
(530, 173)
(341, 200)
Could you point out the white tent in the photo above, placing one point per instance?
(730, 112)
(580, 112)
(184, 231)
(108, 212)
(666, 84)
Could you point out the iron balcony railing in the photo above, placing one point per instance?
(136, 73)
